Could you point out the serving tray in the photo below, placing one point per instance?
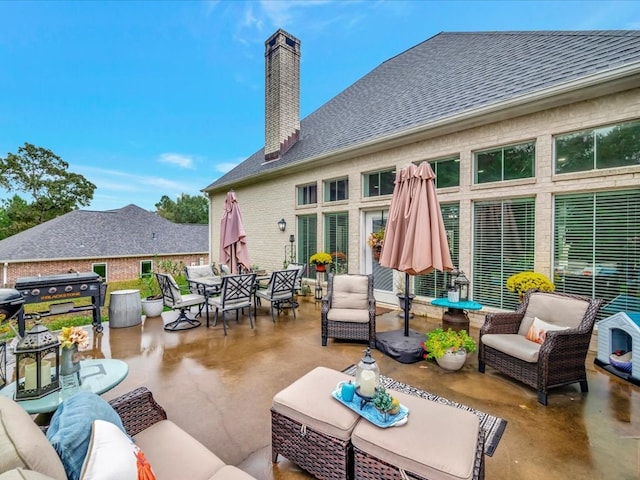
(369, 412)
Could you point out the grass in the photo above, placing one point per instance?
(56, 322)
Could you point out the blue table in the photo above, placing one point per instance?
(96, 375)
(455, 317)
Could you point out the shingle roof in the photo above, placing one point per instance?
(444, 76)
(104, 234)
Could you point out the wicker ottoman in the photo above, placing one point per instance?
(311, 428)
(438, 442)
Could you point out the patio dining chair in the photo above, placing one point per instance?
(544, 343)
(279, 292)
(235, 295)
(174, 299)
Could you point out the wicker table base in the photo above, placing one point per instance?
(324, 457)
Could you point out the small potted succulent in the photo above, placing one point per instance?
(385, 404)
(320, 260)
(449, 348)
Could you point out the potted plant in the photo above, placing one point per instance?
(375, 241)
(385, 404)
(523, 281)
(320, 260)
(449, 348)
(152, 302)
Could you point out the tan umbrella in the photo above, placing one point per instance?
(415, 240)
(233, 239)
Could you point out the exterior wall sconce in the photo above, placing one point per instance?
(282, 225)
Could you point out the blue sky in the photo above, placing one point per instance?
(161, 98)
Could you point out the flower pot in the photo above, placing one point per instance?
(321, 268)
(152, 307)
(69, 362)
(376, 250)
(452, 361)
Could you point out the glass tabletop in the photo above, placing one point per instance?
(96, 375)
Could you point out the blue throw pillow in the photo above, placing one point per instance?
(70, 429)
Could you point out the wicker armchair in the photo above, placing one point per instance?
(349, 309)
(560, 357)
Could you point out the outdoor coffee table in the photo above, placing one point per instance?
(96, 375)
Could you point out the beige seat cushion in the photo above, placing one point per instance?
(21, 474)
(514, 345)
(348, 315)
(173, 453)
(24, 445)
(229, 472)
(350, 291)
(554, 309)
(309, 402)
(438, 442)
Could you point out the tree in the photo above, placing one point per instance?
(186, 209)
(44, 176)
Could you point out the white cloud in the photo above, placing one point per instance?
(183, 161)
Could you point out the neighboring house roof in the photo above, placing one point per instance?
(446, 77)
(123, 232)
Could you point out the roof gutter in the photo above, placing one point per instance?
(584, 88)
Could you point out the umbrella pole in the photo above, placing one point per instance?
(406, 305)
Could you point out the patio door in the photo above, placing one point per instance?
(382, 276)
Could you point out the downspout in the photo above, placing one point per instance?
(5, 273)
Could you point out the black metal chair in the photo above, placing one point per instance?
(176, 301)
(280, 292)
(236, 295)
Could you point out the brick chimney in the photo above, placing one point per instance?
(282, 94)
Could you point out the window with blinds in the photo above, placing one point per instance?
(435, 284)
(596, 245)
(336, 240)
(503, 244)
(307, 239)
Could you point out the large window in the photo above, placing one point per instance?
(379, 183)
(447, 172)
(596, 243)
(307, 238)
(336, 240)
(503, 244)
(606, 147)
(505, 163)
(307, 194)
(435, 284)
(335, 190)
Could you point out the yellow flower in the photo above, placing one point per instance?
(523, 281)
(320, 258)
(74, 335)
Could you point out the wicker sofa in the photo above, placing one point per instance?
(171, 452)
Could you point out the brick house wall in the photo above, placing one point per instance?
(266, 200)
(118, 269)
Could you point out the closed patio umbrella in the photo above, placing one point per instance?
(233, 239)
(415, 240)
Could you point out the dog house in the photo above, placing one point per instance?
(618, 339)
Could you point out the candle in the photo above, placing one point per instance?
(367, 383)
(30, 375)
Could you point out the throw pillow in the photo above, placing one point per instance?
(539, 328)
(112, 455)
(70, 428)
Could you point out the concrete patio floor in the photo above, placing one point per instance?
(219, 389)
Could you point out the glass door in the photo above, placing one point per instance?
(382, 276)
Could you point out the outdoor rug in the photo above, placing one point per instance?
(493, 426)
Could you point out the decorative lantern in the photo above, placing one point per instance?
(367, 376)
(318, 292)
(462, 284)
(37, 364)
